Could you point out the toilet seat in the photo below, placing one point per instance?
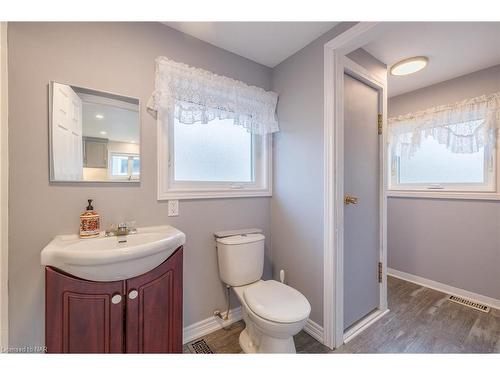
(277, 302)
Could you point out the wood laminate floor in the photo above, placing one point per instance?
(421, 320)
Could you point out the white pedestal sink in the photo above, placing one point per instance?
(113, 258)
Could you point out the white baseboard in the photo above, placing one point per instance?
(448, 289)
(209, 325)
(314, 330)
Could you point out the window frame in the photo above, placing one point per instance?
(486, 190)
(130, 169)
(168, 189)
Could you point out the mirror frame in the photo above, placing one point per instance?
(50, 113)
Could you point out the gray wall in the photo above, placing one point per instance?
(455, 242)
(297, 203)
(115, 57)
(370, 63)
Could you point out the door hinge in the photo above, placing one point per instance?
(379, 272)
(379, 123)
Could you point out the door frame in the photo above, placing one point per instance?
(335, 65)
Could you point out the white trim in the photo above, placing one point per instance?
(314, 330)
(334, 68)
(364, 324)
(444, 288)
(209, 325)
(443, 195)
(352, 38)
(4, 189)
(237, 193)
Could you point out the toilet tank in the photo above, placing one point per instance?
(241, 258)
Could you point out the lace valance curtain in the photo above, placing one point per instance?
(196, 95)
(463, 127)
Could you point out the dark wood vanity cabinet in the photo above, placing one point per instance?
(139, 315)
(153, 319)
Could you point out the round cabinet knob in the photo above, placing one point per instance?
(133, 294)
(116, 299)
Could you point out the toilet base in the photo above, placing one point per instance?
(246, 344)
(266, 336)
(267, 344)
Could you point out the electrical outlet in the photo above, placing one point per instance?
(173, 208)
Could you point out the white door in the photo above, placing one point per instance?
(361, 209)
(67, 147)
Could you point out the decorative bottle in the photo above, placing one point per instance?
(90, 223)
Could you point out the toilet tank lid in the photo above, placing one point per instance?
(241, 239)
(236, 232)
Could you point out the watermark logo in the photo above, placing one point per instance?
(24, 349)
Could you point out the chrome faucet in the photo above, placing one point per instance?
(123, 229)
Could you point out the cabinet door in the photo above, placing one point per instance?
(82, 316)
(96, 153)
(154, 309)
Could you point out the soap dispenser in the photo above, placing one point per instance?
(90, 223)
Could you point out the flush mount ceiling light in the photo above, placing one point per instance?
(99, 116)
(103, 133)
(409, 66)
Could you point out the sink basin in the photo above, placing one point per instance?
(113, 258)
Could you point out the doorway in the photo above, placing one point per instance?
(366, 264)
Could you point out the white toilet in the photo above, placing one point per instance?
(273, 312)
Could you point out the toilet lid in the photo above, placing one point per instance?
(277, 302)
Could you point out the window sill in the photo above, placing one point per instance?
(213, 194)
(489, 196)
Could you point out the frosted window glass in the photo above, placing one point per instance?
(433, 163)
(218, 151)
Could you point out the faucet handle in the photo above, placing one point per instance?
(131, 226)
(110, 231)
(122, 226)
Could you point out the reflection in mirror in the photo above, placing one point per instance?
(94, 135)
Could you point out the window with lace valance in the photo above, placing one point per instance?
(214, 134)
(450, 147)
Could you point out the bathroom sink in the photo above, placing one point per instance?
(113, 258)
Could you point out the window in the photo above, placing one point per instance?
(214, 134)
(216, 159)
(124, 166)
(217, 152)
(450, 148)
(434, 167)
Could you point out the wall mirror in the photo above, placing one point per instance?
(94, 135)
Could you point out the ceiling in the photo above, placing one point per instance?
(267, 43)
(120, 124)
(453, 49)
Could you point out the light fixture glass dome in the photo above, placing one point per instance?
(409, 66)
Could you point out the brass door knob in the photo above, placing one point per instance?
(348, 199)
